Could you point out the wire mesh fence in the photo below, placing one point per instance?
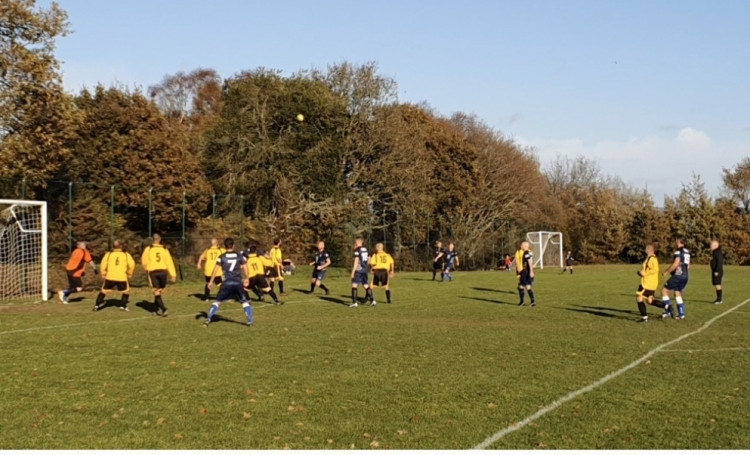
(101, 213)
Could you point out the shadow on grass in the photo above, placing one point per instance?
(218, 318)
(334, 300)
(494, 290)
(301, 291)
(601, 308)
(422, 279)
(598, 312)
(117, 303)
(497, 302)
(147, 306)
(76, 300)
(197, 296)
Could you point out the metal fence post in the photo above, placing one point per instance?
(70, 217)
(23, 188)
(150, 205)
(111, 215)
(242, 216)
(184, 213)
(213, 214)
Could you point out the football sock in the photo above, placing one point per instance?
(206, 292)
(312, 287)
(521, 294)
(272, 283)
(666, 302)
(370, 296)
(67, 292)
(323, 287)
(642, 309)
(531, 295)
(124, 300)
(248, 311)
(571, 271)
(680, 306)
(354, 295)
(719, 293)
(160, 303)
(99, 299)
(434, 273)
(212, 311)
(273, 295)
(388, 296)
(257, 293)
(281, 287)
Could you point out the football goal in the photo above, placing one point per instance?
(547, 248)
(23, 250)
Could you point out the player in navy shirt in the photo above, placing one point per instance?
(320, 264)
(360, 268)
(677, 282)
(234, 267)
(438, 260)
(451, 262)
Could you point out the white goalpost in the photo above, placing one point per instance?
(547, 247)
(23, 250)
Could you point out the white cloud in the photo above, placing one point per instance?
(693, 139)
(657, 163)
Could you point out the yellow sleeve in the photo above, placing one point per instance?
(131, 264)
(105, 260)
(519, 260)
(170, 264)
(392, 264)
(144, 257)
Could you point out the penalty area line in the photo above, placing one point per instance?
(575, 394)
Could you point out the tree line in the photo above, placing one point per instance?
(360, 160)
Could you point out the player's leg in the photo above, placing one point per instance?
(75, 284)
(159, 283)
(99, 302)
(124, 288)
(267, 288)
(280, 279)
(242, 296)
(531, 292)
(521, 291)
(355, 287)
(369, 296)
(639, 296)
(716, 281)
(665, 301)
(206, 291)
(680, 302)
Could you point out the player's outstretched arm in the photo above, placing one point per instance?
(201, 258)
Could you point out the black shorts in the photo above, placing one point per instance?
(158, 279)
(524, 279)
(258, 281)
(74, 281)
(437, 265)
(217, 279)
(645, 292)
(380, 277)
(569, 262)
(716, 279)
(121, 286)
(272, 272)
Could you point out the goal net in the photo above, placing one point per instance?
(547, 248)
(23, 250)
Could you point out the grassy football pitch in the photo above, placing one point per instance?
(447, 365)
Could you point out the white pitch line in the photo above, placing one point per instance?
(707, 350)
(559, 402)
(109, 321)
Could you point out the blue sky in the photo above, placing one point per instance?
(651, 90)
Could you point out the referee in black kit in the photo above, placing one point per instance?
(717, 270)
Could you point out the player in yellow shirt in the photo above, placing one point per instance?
(117, 268)
(210, 255)
(649, 274)
(256, 266)
(383, 267)
(278, 261)
(158, 263)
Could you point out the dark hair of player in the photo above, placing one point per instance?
(276, 241)
(229, 243)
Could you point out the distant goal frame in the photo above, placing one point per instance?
(43, 228)
(541, 245)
